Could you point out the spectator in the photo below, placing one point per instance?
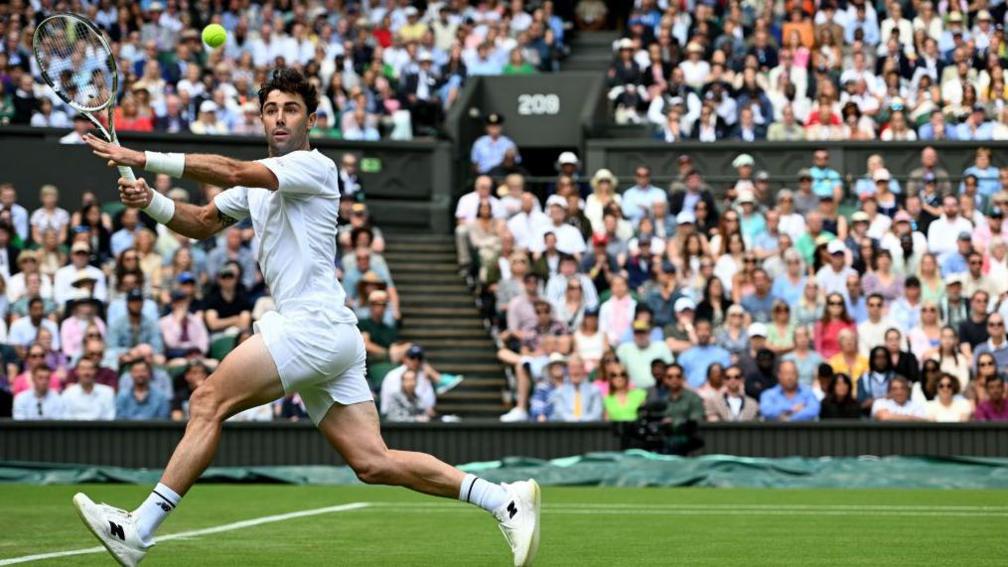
(622, 401)
(929, 169)
(227, 305)
(696, 359)
(140, 401)
(405, 405)
(840, 402)
(874, 383)
(973, 331)
(616, 313)
(996, 343)
(94, 350)
(24, 331)
(577, 399)
(949, 406)
(733, 404)
(488, 150)
(898, 406)
(995, 407)
(49, 215)
(759, 368)
(87, 399)
(183, 333)
(682, 404)
(40, 401)
(69, 277)
(789, 400)
(834, 321)
(83, 314)
(193, 376)
(636, 355)
(135, 328)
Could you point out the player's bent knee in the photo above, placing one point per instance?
(205, 404)
(377, 469)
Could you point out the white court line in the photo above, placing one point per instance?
(201, 532)
(748, 507)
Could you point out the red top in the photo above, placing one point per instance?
(825, 336)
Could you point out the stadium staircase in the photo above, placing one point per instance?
(439, 314)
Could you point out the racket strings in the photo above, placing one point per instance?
(76, 62)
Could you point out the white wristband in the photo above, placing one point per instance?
(161, 208)
(170, 164)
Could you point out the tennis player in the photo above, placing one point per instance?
(309, 345)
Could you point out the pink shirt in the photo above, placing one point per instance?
(986, 411)
(22, 382)
(72, 334)
(171, 332)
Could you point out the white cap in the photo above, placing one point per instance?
(757, 330)
(625, 43)
(556, 358)
(836, 247)
(411, 11)
(567, 157)
(881, 174)
(743, 159)
(208, 106)
(746, 197)
(685, 217)
(860, 216)
(424, 55)
(684, 303)
(556, 200)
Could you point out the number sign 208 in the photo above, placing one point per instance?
(538, 103)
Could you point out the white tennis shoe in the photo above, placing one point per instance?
(114, 528)
(519, 520)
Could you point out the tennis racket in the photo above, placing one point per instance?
(77, 64)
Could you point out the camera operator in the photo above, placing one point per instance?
(682, 404)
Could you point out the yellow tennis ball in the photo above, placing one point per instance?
(214, 35)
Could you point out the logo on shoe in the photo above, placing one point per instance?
(117, 530)
(512, 509)
(164, 506)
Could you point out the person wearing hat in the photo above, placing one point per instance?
(680, 334)
(420, 86)
(603, 185)
(976, 126)
(227, 306)
(568, 239)
(207, 121)
(134, 328)
(696, 359)
(952, 304)
(637, 199)
(696, 70)
(488, 150)
(429, 381)
(64, 290)
(636, 355)
(183, 332)
(832, 277)
(81, 126)
(541, 407)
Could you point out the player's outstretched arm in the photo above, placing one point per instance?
(187, 219)
(205, 168)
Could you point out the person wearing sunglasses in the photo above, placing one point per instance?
(733, 404)
(948, 405)
(996, 344)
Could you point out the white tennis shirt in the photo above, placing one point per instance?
(296, 226)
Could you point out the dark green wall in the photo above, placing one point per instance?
(412, 188)
(148, 444)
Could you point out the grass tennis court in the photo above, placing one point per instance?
(580, 526)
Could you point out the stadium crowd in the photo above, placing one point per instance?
(106, 315)
(748, 303)
(824, 70)
(384, 69)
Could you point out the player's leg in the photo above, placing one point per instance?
(246, 378)
(353, 430)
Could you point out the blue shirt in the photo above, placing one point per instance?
(985, 131)
(788, 293)
(695, 361)
(637, 201)
(752, 227)
(987, 180)
(954, 263)
(773, 403)
(122, 335)
(758, 307)
(824, 179)
(121, 240)
(487, 152)
(154, 406)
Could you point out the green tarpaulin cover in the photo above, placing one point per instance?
(632, 468)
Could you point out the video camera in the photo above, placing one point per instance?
(652, 431)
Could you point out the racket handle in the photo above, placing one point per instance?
(127, 173)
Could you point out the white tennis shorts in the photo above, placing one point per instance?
(323, 361)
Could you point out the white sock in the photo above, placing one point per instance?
(154, 510)
(486, 495)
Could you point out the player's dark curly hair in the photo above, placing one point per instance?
(288, 80)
